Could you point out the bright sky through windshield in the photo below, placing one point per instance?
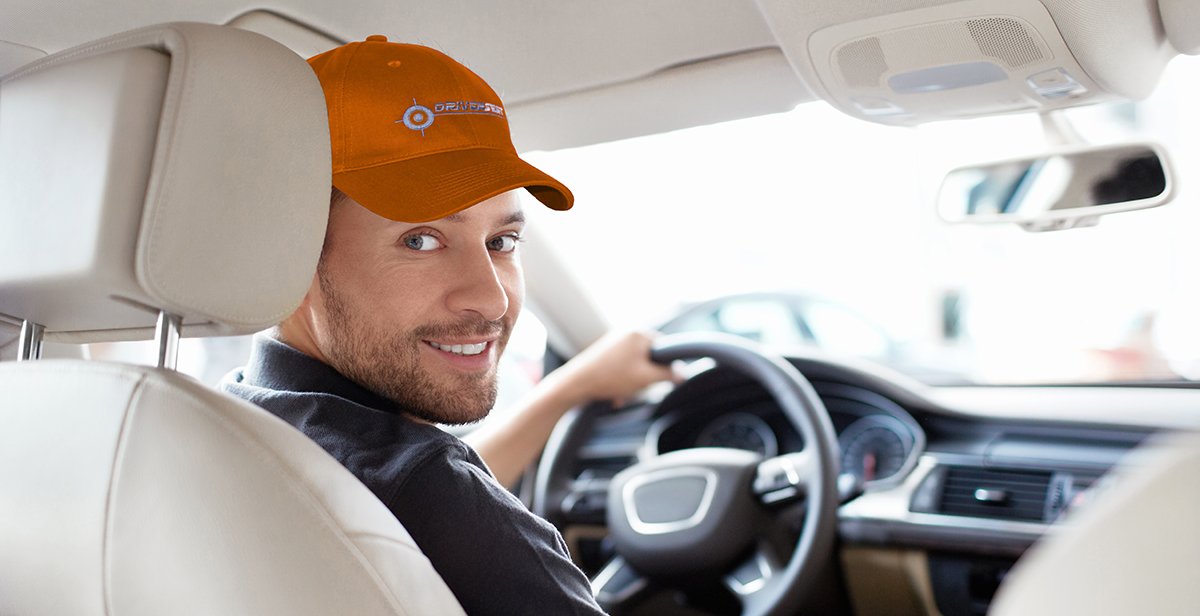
(818, 202)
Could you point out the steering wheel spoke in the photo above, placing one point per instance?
(618, 587)
(785, 478)
(753, 575)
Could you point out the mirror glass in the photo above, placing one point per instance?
(1059, 185)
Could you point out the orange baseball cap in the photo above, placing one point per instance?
(417, 136)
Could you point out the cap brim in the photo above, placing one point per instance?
(434, 186)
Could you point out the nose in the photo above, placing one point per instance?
(477, 286)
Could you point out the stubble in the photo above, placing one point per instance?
(389, 363)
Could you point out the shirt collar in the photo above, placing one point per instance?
(275, 365)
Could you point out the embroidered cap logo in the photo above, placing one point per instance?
(419, 117)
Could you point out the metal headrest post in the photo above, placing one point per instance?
(166, 334)
(30, 346)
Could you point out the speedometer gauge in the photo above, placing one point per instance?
(740, 431)
(875, 447)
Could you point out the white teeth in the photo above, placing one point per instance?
(460, 349)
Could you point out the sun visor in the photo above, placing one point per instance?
(880, 62)
(182, 167)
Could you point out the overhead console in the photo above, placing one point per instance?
(880, 62)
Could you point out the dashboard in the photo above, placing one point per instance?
(879, 441)
(962, 479)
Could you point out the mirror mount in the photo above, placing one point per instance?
(1060, 132)
(1058, 129)
(1061, 224)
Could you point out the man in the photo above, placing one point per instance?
(415, 295)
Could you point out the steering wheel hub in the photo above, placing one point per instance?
(686, 511)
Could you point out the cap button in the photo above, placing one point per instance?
(379, 38)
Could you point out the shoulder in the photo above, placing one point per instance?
(447, 466)
(486, 545)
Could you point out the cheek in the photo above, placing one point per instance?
(402, 300)
(383, 296)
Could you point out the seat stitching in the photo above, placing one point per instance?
(118, 455)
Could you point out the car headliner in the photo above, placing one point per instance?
(526, 50)
(574, 73)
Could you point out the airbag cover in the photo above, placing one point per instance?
(684, 512)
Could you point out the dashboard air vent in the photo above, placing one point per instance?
(993, 493)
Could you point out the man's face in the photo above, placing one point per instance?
(420, 313)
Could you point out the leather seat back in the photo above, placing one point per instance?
(136, 491)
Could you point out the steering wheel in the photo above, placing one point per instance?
(708, 512)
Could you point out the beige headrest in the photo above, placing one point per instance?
(182, 167)
(1181, 20)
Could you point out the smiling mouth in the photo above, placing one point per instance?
(459, 349)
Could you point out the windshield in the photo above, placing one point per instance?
(822, 210)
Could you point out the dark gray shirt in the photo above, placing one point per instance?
(496, 556)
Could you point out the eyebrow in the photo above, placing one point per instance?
(513, 218)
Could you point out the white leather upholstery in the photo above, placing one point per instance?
(186, 168)
(161, 497)
(182, 167)
(1134, 550)
(1181, 21)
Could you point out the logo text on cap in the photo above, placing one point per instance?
(419, 117)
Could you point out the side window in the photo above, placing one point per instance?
(204, 359)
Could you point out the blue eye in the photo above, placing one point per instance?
(422, 242)
(504, 243)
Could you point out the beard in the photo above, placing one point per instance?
(389, 363)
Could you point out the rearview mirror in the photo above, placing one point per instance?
(1059, 190)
